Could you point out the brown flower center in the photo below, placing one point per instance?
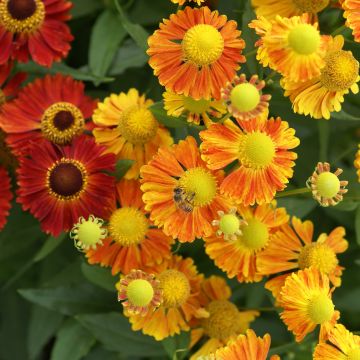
(63, 120)
(21, 9)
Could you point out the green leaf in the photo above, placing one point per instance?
(357, 224)
(85, 7)
(344, 116)
(72, 342)
(297, 207)
(177, 346)
(99, 276)
(106, 37)
(114, 331)
(161, 115)
(121, 167)
(137, 32)
(50, 244)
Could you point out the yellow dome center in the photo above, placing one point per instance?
(128, 226)
(90, 233)
(340, 72)
(311, 6)
(320, 308)
(328, 184)
(199, 184)
(304, 39)
(229, 224)
(138, 125)
(257, 150)
(318, 255)
(202, 45)
(255, 235)
(175, 288)
(140, 292)
(354, 354)
(22, 16)
(196, 106)
(223, 320)
(245, 97)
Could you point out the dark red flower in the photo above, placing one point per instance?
(5, 196)
(9, 86)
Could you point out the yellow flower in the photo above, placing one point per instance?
(357, 163)
(182, 2)
(352, 15)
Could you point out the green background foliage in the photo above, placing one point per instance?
(55, 306)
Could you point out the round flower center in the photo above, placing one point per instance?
(311, 6)
(66, 179)
(22, 16)
(128, 226)
(255, 234)
(327, 184)
(138, 125)
(140, 292)
(202, 45)
(340, 72)
(222, 321)
(245, 97)
(354, 354)
(318, 255)
(200, 185)
(175, 288)
(2, 97)
(196, 106)
(304, 39)
(320, 309)
(257, 150)
(61, 122)
(229, 224)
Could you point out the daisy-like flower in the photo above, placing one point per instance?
(52, 108)
(180, 285)
(261, 149)
(34, 29)
(246, 347)
(88, 233)
(244, 98)
(306, 300)
(181, 193)
(139, 292)
(194, 110)
(357, 163)
(293, 248)
(9, 87)
(224, 322)
(5, 196)
(182, 2)
(288, 8)
(341, 345)
(291, 46)
(352, 15)
(324, 94)
(238, 257)
(326, 187)
(127, 128)
(196, 52)
(60, 184)
(133, 241)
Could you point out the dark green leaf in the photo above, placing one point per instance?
(169, 121)
(357, 224)
(99, 276)
(51, 243)
(297, 207)
(177, 346)
(344, 116)
(122, 166)
(85, 7)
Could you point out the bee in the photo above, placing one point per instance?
(183, 200)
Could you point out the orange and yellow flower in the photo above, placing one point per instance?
(182, 2)
(133, 241)
(224, 322)
(324, 94)
(238, 257)
(180, 285)
(181, 193)
(352, 15)
(196, 52)
(341, 345)
(261, 149)
(293, 248)
(357, 163)
(126, 126)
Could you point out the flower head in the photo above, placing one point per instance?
(229, 225)
(9, 86)
(5, 196)
(352, 15)
(182, 2)
(34, 29)
(306, 300)
(126, 126)
(196, 52)
(357, 163)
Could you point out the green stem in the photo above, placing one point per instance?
(251, 53)
(349, 150)
(339, 30)
(324, 135)
(224, 118)
(304, 190)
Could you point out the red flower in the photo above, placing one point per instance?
(5, 196)
(9, 87)
(60, 184)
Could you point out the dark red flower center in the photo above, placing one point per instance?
(63, 120)
(66, 179)
(21, 9)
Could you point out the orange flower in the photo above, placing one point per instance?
(294, 248)
(133, 242)
(182, 2)
(352, 15)
(261, 149)
(238, 257)
(357, 163)
(196, 52)
(181, 193)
